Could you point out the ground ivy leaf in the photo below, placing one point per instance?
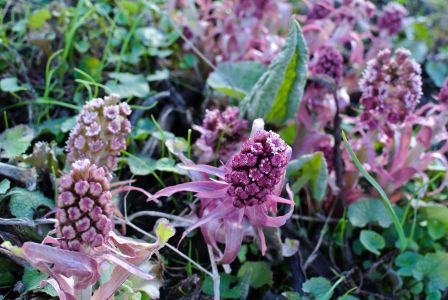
(31, 280)
(318, 287)
(261, 273)
(141, 165)
(372, 241)
(407, 262)
(435, 212)
(226, 291)
(365, 211)
(128, 85)
(436, 229)
(236, 79)
(310, 169)
(39, 18)
(278, 92)
(434, 268)
(23, 203)
(15, 141)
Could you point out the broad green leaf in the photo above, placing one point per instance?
(10, 84)
(226, 291)
(311, 170)
(261, 273)
(39, 18)
(15, 141)
(438, 71)
(366, 211)
(92, 66)
(318, 287)
(31, 280)
(4, 186)
(372, 241)
(278, 92)
(167, 164)
(159, 75)
(294, 296)
(23, 203)
(6, 273)
(407, 262)
(128, 85)
(434, 268)
(236, 79)
(434, 212)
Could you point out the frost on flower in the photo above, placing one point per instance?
(391, 18)
(221, 132)
(244, 198)
(391, 89)
(100, 133)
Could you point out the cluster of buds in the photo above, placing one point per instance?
(253, 173)
(391, 18)
(330, 63)
(391, 89)
(100, 133)
(222, 132)
(443, 95)
(84, 207)
(320, 9)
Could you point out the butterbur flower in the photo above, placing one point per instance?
(329, 62)
(391, 89)
(221, 133)
(100, 132)
(320, 9)
(391, 18)
(86, 240)
(245, 195)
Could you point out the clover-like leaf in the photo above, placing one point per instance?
(15, 141)
(366, 211)
(372, 241)
(23, 203)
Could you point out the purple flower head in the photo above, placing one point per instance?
(329, 62)
(244, 198)
(222, 132)
(256, 169)
(320, 9)
(84, 207)
(443, 95)
(100, 132)
(391, 89)
(391, 18)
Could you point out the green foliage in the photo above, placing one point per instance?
(236, 79)
(309, 170)
(31, 280)
(15, 141)
(128, 85)
(230, 287)
(10, 84)
(260, 273)
(23, 203)
(368, 211)
(4, 186)
(278, 92)
(318, 287)
(372, 241)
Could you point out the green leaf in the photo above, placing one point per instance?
(310, 169)
(318, 287)
(372, 241)
(225, 288)
(141, 165)
(261, 273)
(434, 268)
(4, 186)
(434, 212)
(366, 211)
(128, 85)
(278, 92)
(159, 75)
(167, 164)
(10, 84)
(294, 296)
(7, 278)
(164, 231)
(23, 203)
(31, 280)
(236, 79)
(438, 71)
(407, 262)
(92, 66)
(39, 18)
(436, 229)
(15, 141)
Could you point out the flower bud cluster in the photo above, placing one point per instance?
(256, 169)
(391, 89)
(84, 207)
(330, 63)
(320, 9)
(391, 18)
(100, 133)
